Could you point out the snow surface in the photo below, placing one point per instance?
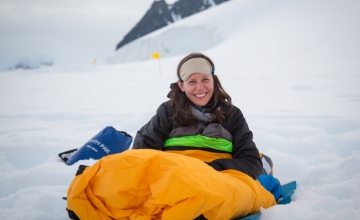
(291, 67)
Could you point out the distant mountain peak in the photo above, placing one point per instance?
(161, 14)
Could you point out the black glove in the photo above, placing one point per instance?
(214, 165)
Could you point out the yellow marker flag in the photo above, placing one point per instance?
(156, 55)
(94, 61)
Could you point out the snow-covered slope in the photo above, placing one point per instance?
(282, 28)
(195, 33)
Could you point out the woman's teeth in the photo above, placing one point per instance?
(200, 95)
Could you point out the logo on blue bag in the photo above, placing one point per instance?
(101, 145)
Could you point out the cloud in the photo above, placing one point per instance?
(55, 27)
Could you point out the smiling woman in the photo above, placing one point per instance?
(200, 121)
(198, 87)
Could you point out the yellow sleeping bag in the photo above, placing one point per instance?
(150, 184)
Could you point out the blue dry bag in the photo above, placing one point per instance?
(106, 142)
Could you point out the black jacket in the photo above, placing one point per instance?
(245, 155)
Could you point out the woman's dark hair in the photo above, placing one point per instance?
(219, 105)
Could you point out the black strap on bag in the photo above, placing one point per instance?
(72, 215)
(64, 154)
(81, 169)
(126, 133)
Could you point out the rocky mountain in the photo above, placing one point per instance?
(161, 14)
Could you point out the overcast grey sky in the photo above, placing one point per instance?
(69, 31)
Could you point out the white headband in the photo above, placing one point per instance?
(195, 65)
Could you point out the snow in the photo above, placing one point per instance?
(291, 67)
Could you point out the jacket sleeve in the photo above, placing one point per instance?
(245, 155)
(154, 133)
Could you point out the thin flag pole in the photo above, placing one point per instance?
(159, 66)
(157, 56)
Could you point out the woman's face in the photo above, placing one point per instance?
(198, 88)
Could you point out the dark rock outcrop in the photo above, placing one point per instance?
(161, 14)
(34, 62)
